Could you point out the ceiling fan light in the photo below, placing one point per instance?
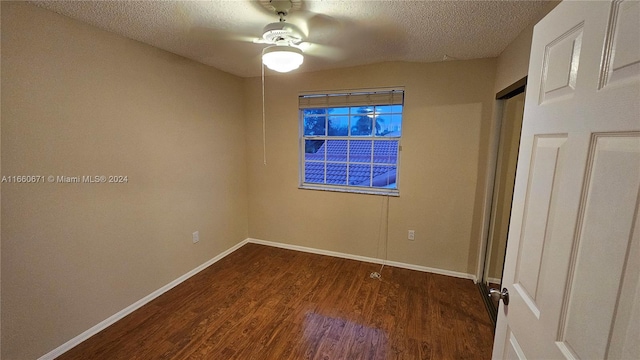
(282, 58)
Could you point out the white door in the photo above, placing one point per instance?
(573, 255)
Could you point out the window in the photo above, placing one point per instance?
(351, 141)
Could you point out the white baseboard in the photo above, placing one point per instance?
(364, 259)
(133, 307)
(138, 304)
(494, 280)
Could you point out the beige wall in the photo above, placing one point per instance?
(80, 101)
(447, 114)
(513, 63)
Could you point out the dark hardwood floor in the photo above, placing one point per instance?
(268, 303)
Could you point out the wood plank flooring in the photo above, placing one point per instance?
(268, 303)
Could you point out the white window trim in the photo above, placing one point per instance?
(347, 188)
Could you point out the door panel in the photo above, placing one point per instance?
(544, 169)
(561, 63)
(622, 33)
(626, 327)
(572, 259)
(514, 351)
(602, 244)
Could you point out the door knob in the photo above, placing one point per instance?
(496, 295)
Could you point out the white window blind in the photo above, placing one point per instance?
(356, 98)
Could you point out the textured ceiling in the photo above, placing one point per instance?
(343, 33)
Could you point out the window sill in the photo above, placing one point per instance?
(354, 190)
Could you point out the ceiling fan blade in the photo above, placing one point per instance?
(321, 51)
(355, 38)
(315, 27)
(199, 19)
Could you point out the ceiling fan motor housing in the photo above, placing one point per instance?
(282, 31)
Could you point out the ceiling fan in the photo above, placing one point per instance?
(288, 43)
(285, 52)
(292, 33)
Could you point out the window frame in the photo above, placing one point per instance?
(349, 138)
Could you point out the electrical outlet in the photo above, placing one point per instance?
(411, 235)
(195, 237)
